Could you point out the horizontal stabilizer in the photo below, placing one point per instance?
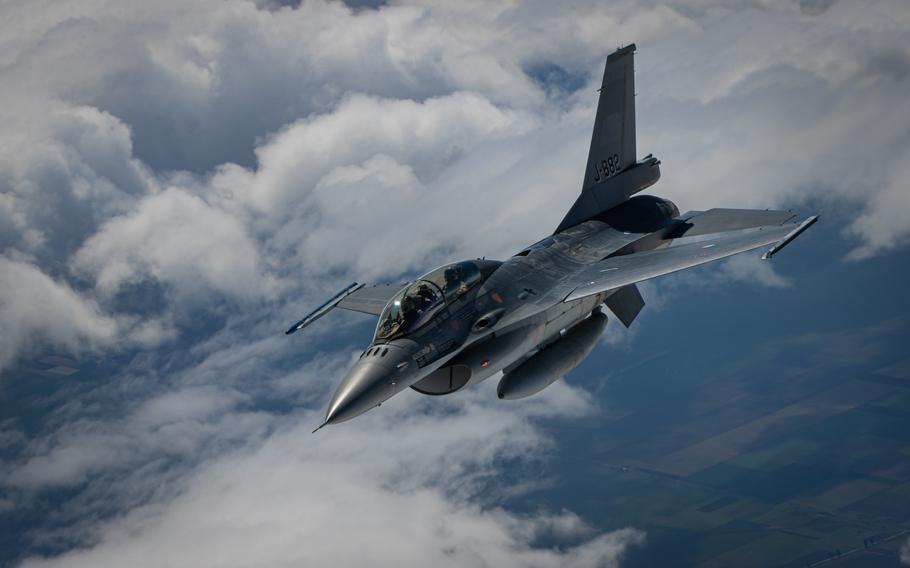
(699, 223)
(626, 303)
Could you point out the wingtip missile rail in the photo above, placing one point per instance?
(324, 308)
(788, 238)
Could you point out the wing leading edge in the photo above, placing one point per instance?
(618, 271)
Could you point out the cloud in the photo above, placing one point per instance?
(431, 135)
(38, 310)
(343, 176)
(417, 481)
(425, 530)
(771, 142)
(200, 170)
(175, 238)
(296, 146)
(905, 552)
(290, 503)
(70, 170)
(175, 424)
(881, 226)
(202, 86)
(751, 268)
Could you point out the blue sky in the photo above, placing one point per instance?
(179, 182)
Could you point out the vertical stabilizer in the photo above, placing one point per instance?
(613, 174)
(613, 141)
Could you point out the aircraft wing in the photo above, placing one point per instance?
(370, 299)
(355, 297)
(618, 271)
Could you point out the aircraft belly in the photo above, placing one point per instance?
(562, 316)
(566, 314)
(553, 362)
(499, 350)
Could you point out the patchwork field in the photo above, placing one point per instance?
(750, 469)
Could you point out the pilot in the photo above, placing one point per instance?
(408, 312)
(426, 295)
(455, 284)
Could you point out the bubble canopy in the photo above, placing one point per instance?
(416, 305)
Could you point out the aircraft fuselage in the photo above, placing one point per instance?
(514, 313)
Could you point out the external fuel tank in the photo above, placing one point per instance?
(554, 361)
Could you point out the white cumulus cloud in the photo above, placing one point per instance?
(176, 238)
(36, 309)
(239, 161)
(302, 499)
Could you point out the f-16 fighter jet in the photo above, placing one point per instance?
(538, 314)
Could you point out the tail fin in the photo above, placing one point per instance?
(612, 174)
(613, 141)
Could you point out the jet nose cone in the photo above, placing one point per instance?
(365, 386)
(372, 380)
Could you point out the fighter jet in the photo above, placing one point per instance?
(535, 316)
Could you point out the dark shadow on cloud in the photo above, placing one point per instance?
(554, 78)
(366, 3)
(888, 63)
(815, 7)
(356, 4)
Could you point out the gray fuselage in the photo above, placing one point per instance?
(512, 312)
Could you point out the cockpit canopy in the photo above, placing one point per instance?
(417, 304)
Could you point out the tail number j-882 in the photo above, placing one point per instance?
(606, 168)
